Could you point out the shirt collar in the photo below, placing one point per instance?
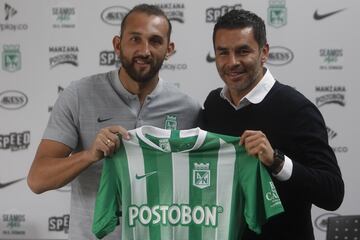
(256, 95)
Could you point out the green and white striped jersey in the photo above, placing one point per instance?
(183, 185)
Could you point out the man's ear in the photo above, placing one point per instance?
(116, 45)
(170, 50)
(264, 53)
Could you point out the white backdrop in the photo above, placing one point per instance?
(47, 44)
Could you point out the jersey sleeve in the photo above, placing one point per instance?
(108, 204)
(261, 198)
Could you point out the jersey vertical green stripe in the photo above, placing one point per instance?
(210, 194)
(152, 183)
(180, 163)
(164, 164)
(202, 187)
(126, 190)
(138, 193)
(237, 221)
(225, 184)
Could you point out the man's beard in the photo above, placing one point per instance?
(140, 77)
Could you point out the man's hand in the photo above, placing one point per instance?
(257, 144)
(106, 142)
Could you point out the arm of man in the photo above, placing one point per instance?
(54, 166)
(314, 171)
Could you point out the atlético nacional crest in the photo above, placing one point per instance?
(201, 175)
(11, 58)
(277, 13)
(170, 122)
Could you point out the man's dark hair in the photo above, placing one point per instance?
(242, 19)
(150, 10)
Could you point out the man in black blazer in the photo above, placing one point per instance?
(276, 123)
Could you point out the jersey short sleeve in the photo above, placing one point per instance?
(62, 125)
(261, 198)
(108, 201)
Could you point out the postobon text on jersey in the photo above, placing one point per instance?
(174, 214)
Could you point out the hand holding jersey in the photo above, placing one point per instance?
(257, 144)
(106, 142)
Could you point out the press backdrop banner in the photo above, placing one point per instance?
(46, 44)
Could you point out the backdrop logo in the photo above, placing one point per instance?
(59, 90)
(279, 56)
(277, 13)
(173, 66)
(114, 15)
(174, 11)
(11, 58)
(63, 55)
(15, 141)
(330, 95)
(331, 58)
(109, 58)
(212, 14)
(210, 58)
(321, 221)
(332, 135)
(319, 16)
(59, 224)
(12, 99)
(13, 224)
(63, 17)
(10, 12)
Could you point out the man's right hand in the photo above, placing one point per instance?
(106, 142)
(55, 164)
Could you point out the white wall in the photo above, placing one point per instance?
(29, 84)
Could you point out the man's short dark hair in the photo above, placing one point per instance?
(242, 19)
(150, 10)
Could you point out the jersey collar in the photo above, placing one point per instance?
(165, 133)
